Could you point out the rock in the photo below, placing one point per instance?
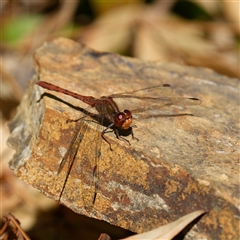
(179, 165)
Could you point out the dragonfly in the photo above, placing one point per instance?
(109, 115)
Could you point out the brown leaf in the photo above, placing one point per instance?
(104, 236)
(170, 230)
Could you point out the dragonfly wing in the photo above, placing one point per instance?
(79, 148)
(147, 94)
(71, 153)
(163, 102)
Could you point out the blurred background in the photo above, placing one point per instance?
(194, 32)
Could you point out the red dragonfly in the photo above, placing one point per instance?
(108, 112)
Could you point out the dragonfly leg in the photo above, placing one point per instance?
(120, 137)
(103, 132)
(133, 137)
(74, 120)
(117, 135)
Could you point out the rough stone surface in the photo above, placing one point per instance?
(179, 165)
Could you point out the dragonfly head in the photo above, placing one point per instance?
(123, 119)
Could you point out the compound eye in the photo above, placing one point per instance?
(123, 119)
(119, 119)
(128, 114)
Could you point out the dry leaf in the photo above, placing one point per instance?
(168, 231)
(164, 37)
(231, 10)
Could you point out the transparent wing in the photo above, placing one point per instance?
(152, 98)
(85, 149)
(90, 156)
(71, 153)
(168, 102)
(147, 94)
